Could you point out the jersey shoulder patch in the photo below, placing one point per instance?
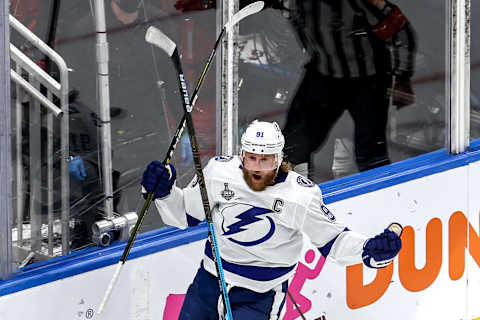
(223, 158)
(327, 213)
(304, 182)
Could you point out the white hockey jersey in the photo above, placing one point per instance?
(260, 233)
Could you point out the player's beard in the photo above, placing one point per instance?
(259, 180)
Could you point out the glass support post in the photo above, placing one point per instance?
(458, 81)
(5, 148)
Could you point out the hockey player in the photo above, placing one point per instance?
(261, 211)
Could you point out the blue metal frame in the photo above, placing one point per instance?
(169, 237)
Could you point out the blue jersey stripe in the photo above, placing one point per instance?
(192, 221)
(250, 272)
(325, 250)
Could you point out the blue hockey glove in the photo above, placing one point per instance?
(76, 167)
(158, 179)
(378, 252)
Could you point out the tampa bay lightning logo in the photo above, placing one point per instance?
(223, 158)
(304, 182)
(247, 225)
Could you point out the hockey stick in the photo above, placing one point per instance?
(169, 47)
(141, 216)
(157, 38)
(240, 15)
(295, 304)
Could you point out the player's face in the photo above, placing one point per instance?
(259, 162)
(259, 171)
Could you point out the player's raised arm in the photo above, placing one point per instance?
(178, 207)
(345, 246)
(159, 180)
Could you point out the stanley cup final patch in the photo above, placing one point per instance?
(226, 193)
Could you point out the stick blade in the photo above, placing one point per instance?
(245, 12)
(159, 39)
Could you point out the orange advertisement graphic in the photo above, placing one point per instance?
(359, 295)
(461, 235)
(414, 279)
(458, 234)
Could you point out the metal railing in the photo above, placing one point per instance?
(43, 94)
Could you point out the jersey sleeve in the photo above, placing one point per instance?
(183, 207)
(333, 239)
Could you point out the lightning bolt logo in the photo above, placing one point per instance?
(247, 218)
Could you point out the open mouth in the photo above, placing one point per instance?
(256, 177)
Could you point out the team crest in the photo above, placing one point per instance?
(226, 193)
(254, 224)
(223, 158)
(304, 182)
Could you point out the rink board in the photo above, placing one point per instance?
(436, 276)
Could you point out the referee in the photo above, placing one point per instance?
(357, 48)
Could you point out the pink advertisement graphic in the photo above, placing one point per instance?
(306, 270)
